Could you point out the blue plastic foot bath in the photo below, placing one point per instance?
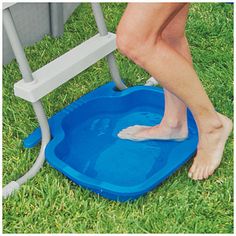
(86, 149)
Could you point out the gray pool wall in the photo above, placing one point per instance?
(35, 20)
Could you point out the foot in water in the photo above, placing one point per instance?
(210, 147)
(163, 131)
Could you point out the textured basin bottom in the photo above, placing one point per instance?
(97, 152)
(85, 146)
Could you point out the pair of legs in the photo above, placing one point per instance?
(153, 36)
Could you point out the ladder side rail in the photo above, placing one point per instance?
(102, 29)
(37, 106)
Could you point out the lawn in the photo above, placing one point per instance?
(51, 203)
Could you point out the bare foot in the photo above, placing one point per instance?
(210, 150)
(163, 131)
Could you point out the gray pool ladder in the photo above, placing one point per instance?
(35, 85)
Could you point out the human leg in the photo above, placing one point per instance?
(139, 37)
(174, 121)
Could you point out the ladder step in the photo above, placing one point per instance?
(65, 67)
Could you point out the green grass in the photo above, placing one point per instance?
(51, 203)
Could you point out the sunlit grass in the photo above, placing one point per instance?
(51, 203)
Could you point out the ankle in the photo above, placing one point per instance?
(210, 125)
(174, 123)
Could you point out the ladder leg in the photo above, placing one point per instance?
(98, 14)
(56, 16)
(37, 106)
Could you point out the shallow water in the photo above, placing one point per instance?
(96, 151)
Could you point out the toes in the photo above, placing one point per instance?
(129, 136)
(200, 170)
(120, 135)
(131, 130)
(190, 175)
(200, 174)
(124, 135)
(192, 169)
(125, 132)
(195, 174)
(206, 173)
(137, 128)
(211, 171)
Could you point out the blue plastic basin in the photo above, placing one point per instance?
(85, 146)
